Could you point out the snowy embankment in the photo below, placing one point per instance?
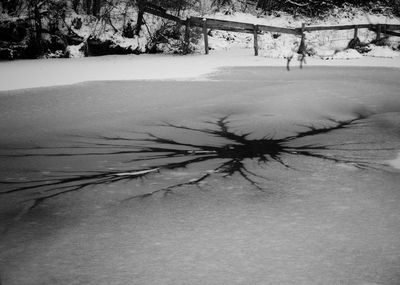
(50, 72)
(227, 49)
(325, 44)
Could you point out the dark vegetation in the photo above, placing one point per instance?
(36, 28)
(317, 8)
(160, 154)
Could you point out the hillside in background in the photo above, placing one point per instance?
(77, 28)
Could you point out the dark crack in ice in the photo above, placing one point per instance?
(232, 157)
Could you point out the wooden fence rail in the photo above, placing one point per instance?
(208, 23)
(337, 27)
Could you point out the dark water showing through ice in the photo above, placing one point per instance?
(258, 176)
(171, 154)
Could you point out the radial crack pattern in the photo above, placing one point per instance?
(231, 158)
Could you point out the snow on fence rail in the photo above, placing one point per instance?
(208, 23)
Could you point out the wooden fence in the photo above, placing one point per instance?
(207, 23)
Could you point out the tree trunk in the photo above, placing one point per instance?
(96, 7)
(38, 23)
(75, 5)
(139, 21)
(88, 6)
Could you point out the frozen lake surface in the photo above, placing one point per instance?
(253, 176)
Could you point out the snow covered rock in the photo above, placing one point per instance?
(76, 51)
(347, 54)
(325, 53)
(382, 51)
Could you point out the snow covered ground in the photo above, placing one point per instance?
(324, 44)
(318, 222)
(227, 49)
(49, 72)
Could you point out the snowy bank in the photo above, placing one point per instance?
(49, 72)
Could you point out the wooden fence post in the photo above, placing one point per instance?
(384, 29)
(255, 29)
(303, 37)
(355, 32)
(355, 41)
(205, 35)
(187, 36)
(303, 27)
(378, 31)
